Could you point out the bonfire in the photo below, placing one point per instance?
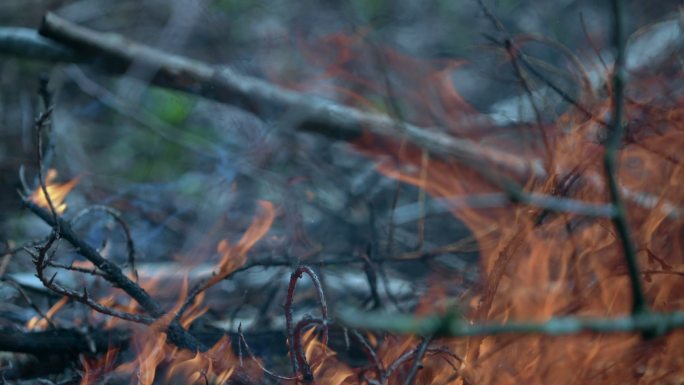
(539, 244)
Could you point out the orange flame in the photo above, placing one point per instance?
(56, 192)
(40, 323)
(325, 367)
(93, 369)
(217, 364)
(535, 265)
(538, 265)
(233, 257)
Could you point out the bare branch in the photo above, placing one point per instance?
(289, 323)
(124, 226)
(42, 260)
(115, 276)
(651, 323)
(610, 160)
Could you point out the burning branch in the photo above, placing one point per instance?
(300, 367)
(113, 274)
(641, 320)
(42, 261)
(110, 271)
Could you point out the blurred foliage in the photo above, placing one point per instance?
(173, 107)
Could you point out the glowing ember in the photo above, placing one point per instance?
(57, 192)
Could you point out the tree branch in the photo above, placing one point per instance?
(114, 275)
(450, 326)
(610, 160)
(115, 54)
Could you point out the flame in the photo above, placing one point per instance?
(40, 323)
(537, 265)
(56, 192)
(325, 367)
(94, 369)
(153, 353)
(216, 365)
(233, 257)
(191, 370)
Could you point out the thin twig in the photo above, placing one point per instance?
(46, 96)
(40, 123)
(417, 361)
(32, 304)
(289, 322)
(610, 160)
(370, 352)
(395, 365)
(591, 42)
(258, 363)
(511, 49)
(417, 355)
(83, 270)
(130, 246)
(116, 277)
(372, 278)
(302, 363)
(42, 260)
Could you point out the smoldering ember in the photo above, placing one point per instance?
(340, 193)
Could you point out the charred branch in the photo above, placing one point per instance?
(62, 341)
(114, 275)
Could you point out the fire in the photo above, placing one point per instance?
(40, 323)
(233, 257)
(326, 369)
(95, 368)
(157, 361)
(537, 265)
(57, 192)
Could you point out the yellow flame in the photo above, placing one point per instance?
(56, 191)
